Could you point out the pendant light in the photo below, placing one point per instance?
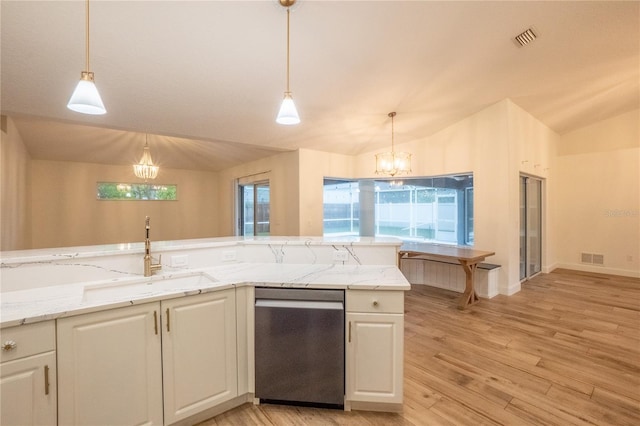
(288, 113)
(145, 168)
(393, 163)
(86, 99)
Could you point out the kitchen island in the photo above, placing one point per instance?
(191, 325)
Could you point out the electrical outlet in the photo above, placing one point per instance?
(179, 261)
(228, 255)
(340, 256)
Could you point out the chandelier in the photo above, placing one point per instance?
(145, 168)
(393, 163)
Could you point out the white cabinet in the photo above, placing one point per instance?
(110, 367)
(374, 351)
(28, 375)
(151, 364)
(198, 353)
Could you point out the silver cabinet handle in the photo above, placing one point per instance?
(9, 345)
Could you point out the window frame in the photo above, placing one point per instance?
(420, 196)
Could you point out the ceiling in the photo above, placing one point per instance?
(205, 78)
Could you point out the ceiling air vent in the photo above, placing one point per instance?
(525, 37)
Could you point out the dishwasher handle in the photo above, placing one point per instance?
(299, 304)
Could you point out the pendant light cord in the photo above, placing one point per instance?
(288, 13)
(87, 38)
(392, 114)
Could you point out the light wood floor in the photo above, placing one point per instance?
(565, 350)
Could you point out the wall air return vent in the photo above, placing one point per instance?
(525, 37)
(592, 258)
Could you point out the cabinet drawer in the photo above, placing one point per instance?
(29, 340)
(379, 301)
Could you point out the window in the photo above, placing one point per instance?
(254, 205)
(436, 209)
(136, 191)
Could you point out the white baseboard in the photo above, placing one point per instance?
(599, 269)
(511, 289)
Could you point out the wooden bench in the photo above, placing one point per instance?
(467, 257)
(449, 275)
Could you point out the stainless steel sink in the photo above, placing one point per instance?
(143, 287)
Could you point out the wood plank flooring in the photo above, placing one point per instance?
(563, 351)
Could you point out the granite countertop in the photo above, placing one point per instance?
(46, 303)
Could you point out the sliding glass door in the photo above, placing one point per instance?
(530, 226)
(254, 209)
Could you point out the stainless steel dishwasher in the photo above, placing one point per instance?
(299, 346)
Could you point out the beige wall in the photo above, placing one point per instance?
(591, 184)
(598, 192)
(283, 171)
(15, 208)
(315, 166)
(496, 144)
(67, 213)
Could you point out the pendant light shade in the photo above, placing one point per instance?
(86, 99)
(145, 168)
(288, 113)
(393, 163)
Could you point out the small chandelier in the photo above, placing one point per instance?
(288, 113)
(393, 163)
(145, 168)
(85, 98)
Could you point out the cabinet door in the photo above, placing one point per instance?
(199, 353)
(110, 368)
(28, 390)
(374, 357)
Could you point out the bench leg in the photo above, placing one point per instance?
(469, 297)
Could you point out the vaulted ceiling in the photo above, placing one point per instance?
(205, 78)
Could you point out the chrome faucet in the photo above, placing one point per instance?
(149, 266)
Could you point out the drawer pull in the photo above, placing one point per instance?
(9, 345)
(375, 303)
